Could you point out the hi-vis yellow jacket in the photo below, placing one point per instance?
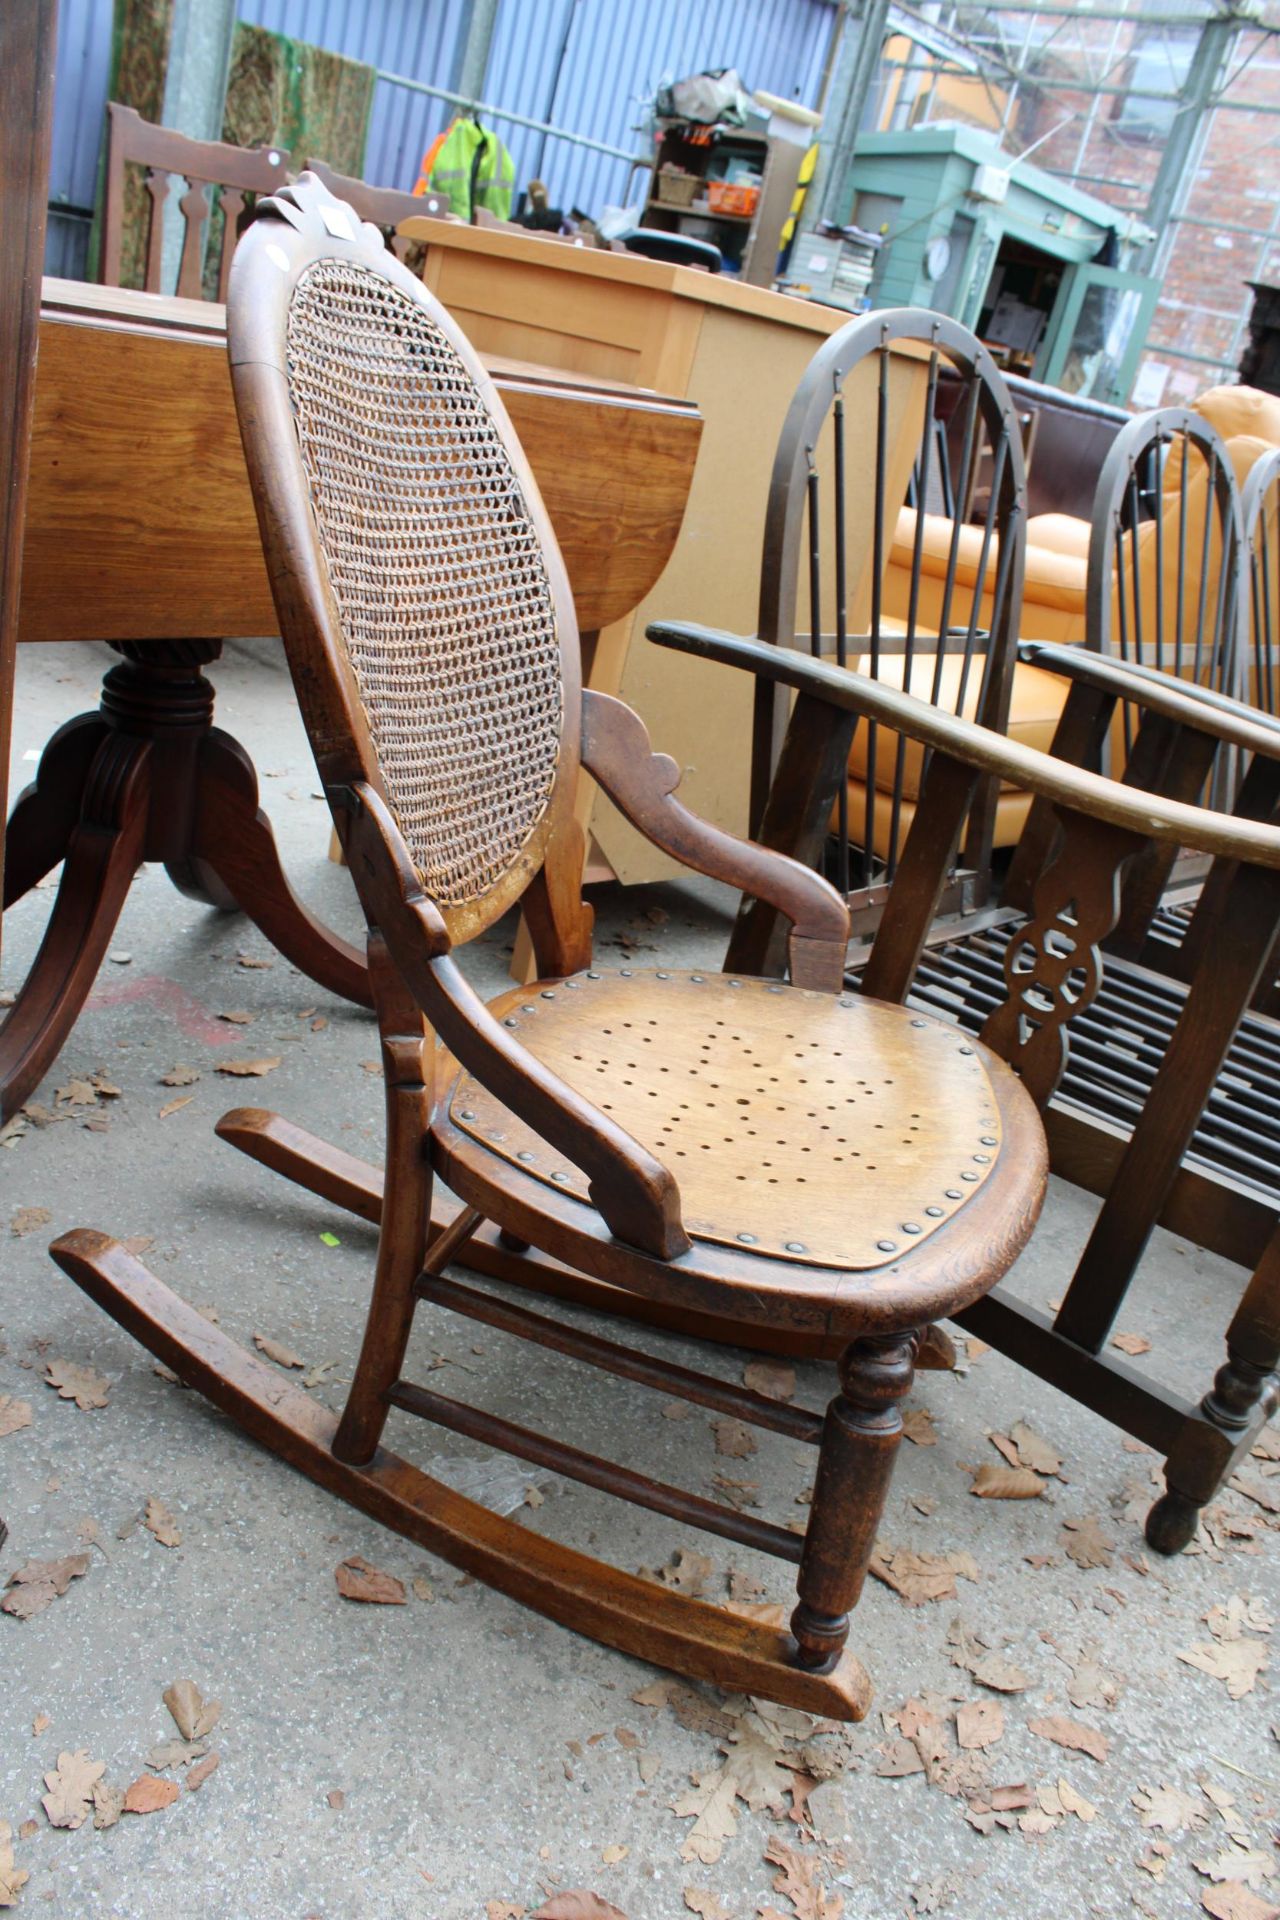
(471, 168)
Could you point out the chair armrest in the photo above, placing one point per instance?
(631, 1190)
(1182, 701)
(616, 749)
(1166, 821)
(635, 1195)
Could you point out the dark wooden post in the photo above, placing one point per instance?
(28, 37)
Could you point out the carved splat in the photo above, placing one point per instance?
(194, 208)
(1053, 966)
(157, 185)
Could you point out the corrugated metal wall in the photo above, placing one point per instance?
(79, 101)
(615, 55)
(419, 38)
(588, 65)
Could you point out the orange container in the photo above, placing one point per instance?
(723, 198)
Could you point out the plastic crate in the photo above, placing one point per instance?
(724, 198)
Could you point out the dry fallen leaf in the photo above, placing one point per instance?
(252, 963)
(1168, 1808)
(711, 1802)
(200, 1773)
(1234, 1902)
(979, 1723)
(32, 1587)
(1086, 1543)
(175, 1106)
(1092, 1686)
(1131, 1343)
(71, 1787)
(1006, 1483)
(242, 1069)
(76, 1093)
(686, 1572)
(971, 1653)
(920, 1577)
(81, 1384)
(1242, 1613)
(797, 1879)
(1033, 1451)
(237, 1017)
(180, 1077)
(708, 1906)
(1240, 1864)
(613, 1854)
(1237, 1662)
(176, 1753)
(149, 1794)
(12, 1878)
(917, 1426)
(357, 1580)
(734, 1438)
(159, 1521)
(28, 1220)
(577, 1904)
(13, 1414)
(1072, 1734)
(274, 1350)
(772, 1378)
(193, 1715)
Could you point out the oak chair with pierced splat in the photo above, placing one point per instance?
(676, 1147)
(1164, 1102)
(869, 560)
(239, 173)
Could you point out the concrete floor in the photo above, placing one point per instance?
(431, 1759)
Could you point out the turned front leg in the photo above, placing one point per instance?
(859, 1442)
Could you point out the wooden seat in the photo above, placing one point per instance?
(779, 1112)
(767, 1162)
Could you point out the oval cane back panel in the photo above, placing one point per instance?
(834, 1133)
(437, 571)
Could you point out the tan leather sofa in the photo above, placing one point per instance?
(1053, 608)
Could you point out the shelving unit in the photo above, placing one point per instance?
(707, 153)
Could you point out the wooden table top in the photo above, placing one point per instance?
(140, 523)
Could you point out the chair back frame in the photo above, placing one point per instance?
(383, 207)
(295, 231)
(202, 163)
(796, 509)
(1260, 513)
(1116, 610)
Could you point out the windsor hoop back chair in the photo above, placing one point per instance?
(1163, 1099)
(680, 1143)
(869, 561)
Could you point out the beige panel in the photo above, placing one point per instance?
(744, 374)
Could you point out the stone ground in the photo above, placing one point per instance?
(458, 1757)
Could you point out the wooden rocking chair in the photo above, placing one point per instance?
(646, 1132)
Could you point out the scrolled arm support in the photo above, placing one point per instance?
(633, 1192)
(642, 783)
